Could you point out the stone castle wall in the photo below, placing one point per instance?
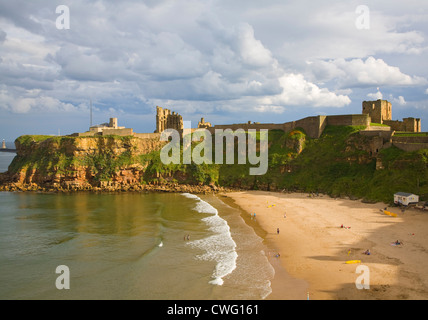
(147, 135)
(118, 132)
(398, 139)
(246, 126)
(408, 124)
(349, 120)
(409, 146)
(386, 135)
(378, 111)
(313, 126)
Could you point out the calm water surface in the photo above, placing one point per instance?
(128, 246)
(5, 160)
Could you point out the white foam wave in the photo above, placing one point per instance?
(189, 195)
(219, 247)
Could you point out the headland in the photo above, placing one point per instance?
(340, 155)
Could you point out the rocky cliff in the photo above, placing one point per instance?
(342, 163)
(102, 163)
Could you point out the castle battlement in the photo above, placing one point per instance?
(110, 128)
(380, 112)
(373, 112)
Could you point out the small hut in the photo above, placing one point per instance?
(405, 198)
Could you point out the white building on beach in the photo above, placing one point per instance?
(405, 198)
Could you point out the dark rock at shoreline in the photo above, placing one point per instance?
(105, 186)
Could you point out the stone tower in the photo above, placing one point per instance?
(167, 120)
(378, 111)
(113, 123)
(203, 124)
(161, 116)
(3, 146)
(412, 124)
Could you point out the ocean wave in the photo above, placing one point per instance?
(219, 247)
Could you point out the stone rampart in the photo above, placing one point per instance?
(147, 135)
(409, 147)
(349, 120)
(313, 126)
(117, 132)
(385, 135)
(416, 139)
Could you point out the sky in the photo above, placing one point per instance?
(229, 61)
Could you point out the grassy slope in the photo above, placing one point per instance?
(324, 166)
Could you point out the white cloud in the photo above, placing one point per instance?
(32, 101)
(252, 50)
(375, 96)
(360, 73)
(298, 91)
(270, 109)
(328, 30)
(400, 100)
(207, 56)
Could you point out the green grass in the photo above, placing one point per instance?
(26, 140)
(324, 166)
(373, 124)
(410, 134)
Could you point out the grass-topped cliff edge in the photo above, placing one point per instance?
(339, 163)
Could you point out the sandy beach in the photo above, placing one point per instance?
(314, 247)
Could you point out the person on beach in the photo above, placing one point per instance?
(277, 230)
(367, 252)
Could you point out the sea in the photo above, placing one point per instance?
(139, 246)
(5, 160)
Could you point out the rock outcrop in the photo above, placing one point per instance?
(87, 163)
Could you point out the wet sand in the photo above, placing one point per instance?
(314, 247)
